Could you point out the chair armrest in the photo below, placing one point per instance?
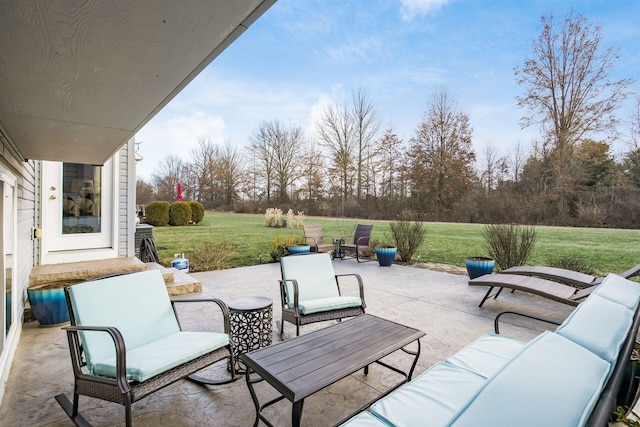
(283, 292)
(360, 285)
(359, 239)
(517, 313)
(121, 354)
(223, 308)
(315, 242)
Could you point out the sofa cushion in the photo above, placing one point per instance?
(487, 355)
(364, 419)
(136, 304)
(326, 304)
(438, 394)
(620, 290)
(600, 325)
(148, 360)
(551, 382)
(314, 274)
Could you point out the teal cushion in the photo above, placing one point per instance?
(364, 419)
(620, 290)
(314, 274)
(149, 360)
(434, 398)
(487, 355)
(551, 382)
(136, 304)
(327, 304)
(599, 325)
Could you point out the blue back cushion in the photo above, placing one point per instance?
(620, 290)
(136, 304)
(314, 274)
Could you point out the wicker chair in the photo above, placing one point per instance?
(360, 245)
(310, 292)
(313, 237)
(116, 324)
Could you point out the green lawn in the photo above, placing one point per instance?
(604, 250)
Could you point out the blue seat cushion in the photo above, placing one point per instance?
(149, 360)
(136, 304)
(437, 395)
(364, 419)
(551, 382)
(620, 290)
(327, 304)
(487, 355)
(599, 325)
(314, 274)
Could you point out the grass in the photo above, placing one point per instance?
(605, 250)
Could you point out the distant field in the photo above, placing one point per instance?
(605, 250)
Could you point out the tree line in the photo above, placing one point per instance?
(353, 167)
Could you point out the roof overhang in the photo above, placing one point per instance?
(78, 79)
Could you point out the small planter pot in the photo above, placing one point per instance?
(49, 306)
(299, 249)
(479, 266)
(386, 256)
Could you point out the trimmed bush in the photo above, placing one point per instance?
(407, 236)
(211, 256)
(509, 245)
(179, 213)
(157, 213)
(197, 211)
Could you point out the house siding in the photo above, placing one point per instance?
(25, 213)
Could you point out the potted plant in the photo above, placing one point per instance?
(48, 303)
(478, 266)
(385, 254)
(295, 246)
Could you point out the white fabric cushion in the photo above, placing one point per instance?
(314, 274)
(163, 354)
(327, 304)
(620, 290)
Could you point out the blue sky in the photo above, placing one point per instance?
(302, 54)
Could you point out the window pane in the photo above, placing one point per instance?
(81, 205)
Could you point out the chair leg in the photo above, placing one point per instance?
(127, 408)
(72, 410)
(297, 329)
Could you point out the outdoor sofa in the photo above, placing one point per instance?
(569, 377)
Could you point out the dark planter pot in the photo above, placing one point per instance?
(386, 256)
(299, 249)
(49, 306)
(478, 266)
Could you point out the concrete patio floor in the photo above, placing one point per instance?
(440, 304)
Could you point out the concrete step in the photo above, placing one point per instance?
(168, 274)
(74, 272)
(183, 284)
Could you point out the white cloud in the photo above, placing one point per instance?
(413, 8)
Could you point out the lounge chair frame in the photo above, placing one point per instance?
(120, 390)
(563, 275)
(546, 288)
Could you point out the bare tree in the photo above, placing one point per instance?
(336, 132)
(567, 88)
(204, 158)
(366, 125)
(166, 177)
(442, 155)
(489, 170)
(144, 192)
(228, 171)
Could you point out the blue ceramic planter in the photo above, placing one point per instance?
(299, 249)
(48, 306)
(478, 266)
(386, 256)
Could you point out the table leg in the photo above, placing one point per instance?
(254, 397)
(296, 414)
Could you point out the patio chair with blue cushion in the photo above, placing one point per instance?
(126, 341)
(310, 292)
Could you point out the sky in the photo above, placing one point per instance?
(302, 55)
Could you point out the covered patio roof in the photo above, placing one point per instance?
(78, 79)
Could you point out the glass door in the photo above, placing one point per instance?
(7, 248)
(77, 206)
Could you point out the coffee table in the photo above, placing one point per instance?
(301, 366)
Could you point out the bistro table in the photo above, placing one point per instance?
(301, 366)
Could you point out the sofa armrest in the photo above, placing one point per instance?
(360, 285)
(75, 347)
(517, 313)
(223, 308)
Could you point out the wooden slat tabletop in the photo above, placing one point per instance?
(304, 365)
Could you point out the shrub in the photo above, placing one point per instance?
(407, 236)
(157, 213)
(197, 211)
(574, 264)
(281, 247)
(509, 245)
(209, 256)
(179, 213)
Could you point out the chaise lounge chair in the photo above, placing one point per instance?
(563, 275)
(565, 294)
